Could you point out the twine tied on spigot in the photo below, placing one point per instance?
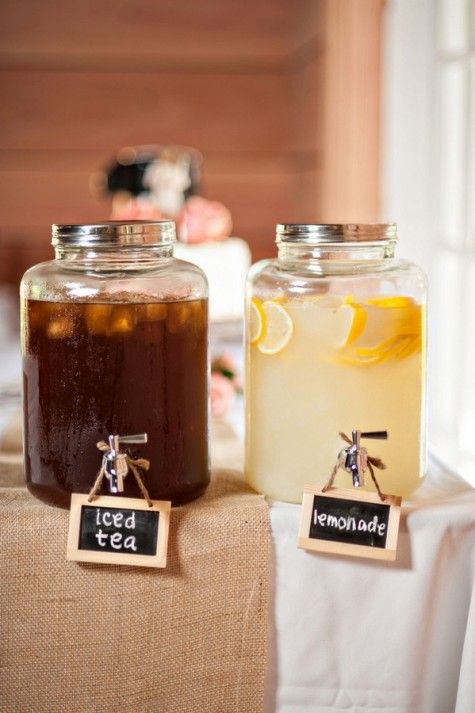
(356, 459)
(116, 464)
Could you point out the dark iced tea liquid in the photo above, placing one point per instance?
(91, 370)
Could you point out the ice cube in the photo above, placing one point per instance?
(155, 311)
(97, 318)
(123, 319)
(178, 313)
(60, 327)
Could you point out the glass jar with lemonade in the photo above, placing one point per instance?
(335, 341)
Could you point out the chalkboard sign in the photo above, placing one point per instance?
(351, 522)
(118, 530)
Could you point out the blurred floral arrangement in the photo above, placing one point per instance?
(225, 384)
(155, 183)
(199, 220)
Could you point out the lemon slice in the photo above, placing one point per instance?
(358, 324)
(391, 302)
(257, 320)
(411, 346)
(279, 328)
(353, 317)
(382, 329)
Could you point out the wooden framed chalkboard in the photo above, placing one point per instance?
(349, 522)
(118, 530)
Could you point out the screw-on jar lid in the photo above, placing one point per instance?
(326, 234)
(115, 234)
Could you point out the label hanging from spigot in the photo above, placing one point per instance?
(351, 521)
(116, 529)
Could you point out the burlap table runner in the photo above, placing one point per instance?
(81, 637)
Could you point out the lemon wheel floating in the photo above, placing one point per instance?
(278, 328)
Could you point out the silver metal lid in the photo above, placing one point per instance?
(326, 234)
(115, 233)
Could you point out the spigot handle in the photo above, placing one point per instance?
(136, 438)
(380, 435)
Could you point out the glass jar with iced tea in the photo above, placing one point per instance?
(114, 342)
(335, 342)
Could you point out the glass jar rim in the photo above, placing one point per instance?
(114, 233)
(335, 233)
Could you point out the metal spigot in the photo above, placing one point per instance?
(114, 461)
(354, 458)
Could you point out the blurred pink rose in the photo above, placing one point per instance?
(222, 394)
(202, 220)
(136, 209)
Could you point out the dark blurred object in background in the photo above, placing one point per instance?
(165, 175)
(160, 182)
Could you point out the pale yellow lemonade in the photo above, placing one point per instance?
(323, 364)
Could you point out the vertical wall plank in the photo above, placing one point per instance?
(351, 105)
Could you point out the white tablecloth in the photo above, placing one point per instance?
(362, 635)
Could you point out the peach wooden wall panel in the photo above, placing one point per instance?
(62, 110)
(254, 197)
(91, 31)
(80, 80)
(306, 108)
(60, 127)
(272, 92)
(16, 259)
(49, 197)
(350, 100)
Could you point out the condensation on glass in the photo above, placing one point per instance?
(335, 341)
(114, 341)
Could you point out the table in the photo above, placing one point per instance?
(356, 635)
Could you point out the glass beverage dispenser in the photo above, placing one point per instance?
(335, 341)
(114, 341)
